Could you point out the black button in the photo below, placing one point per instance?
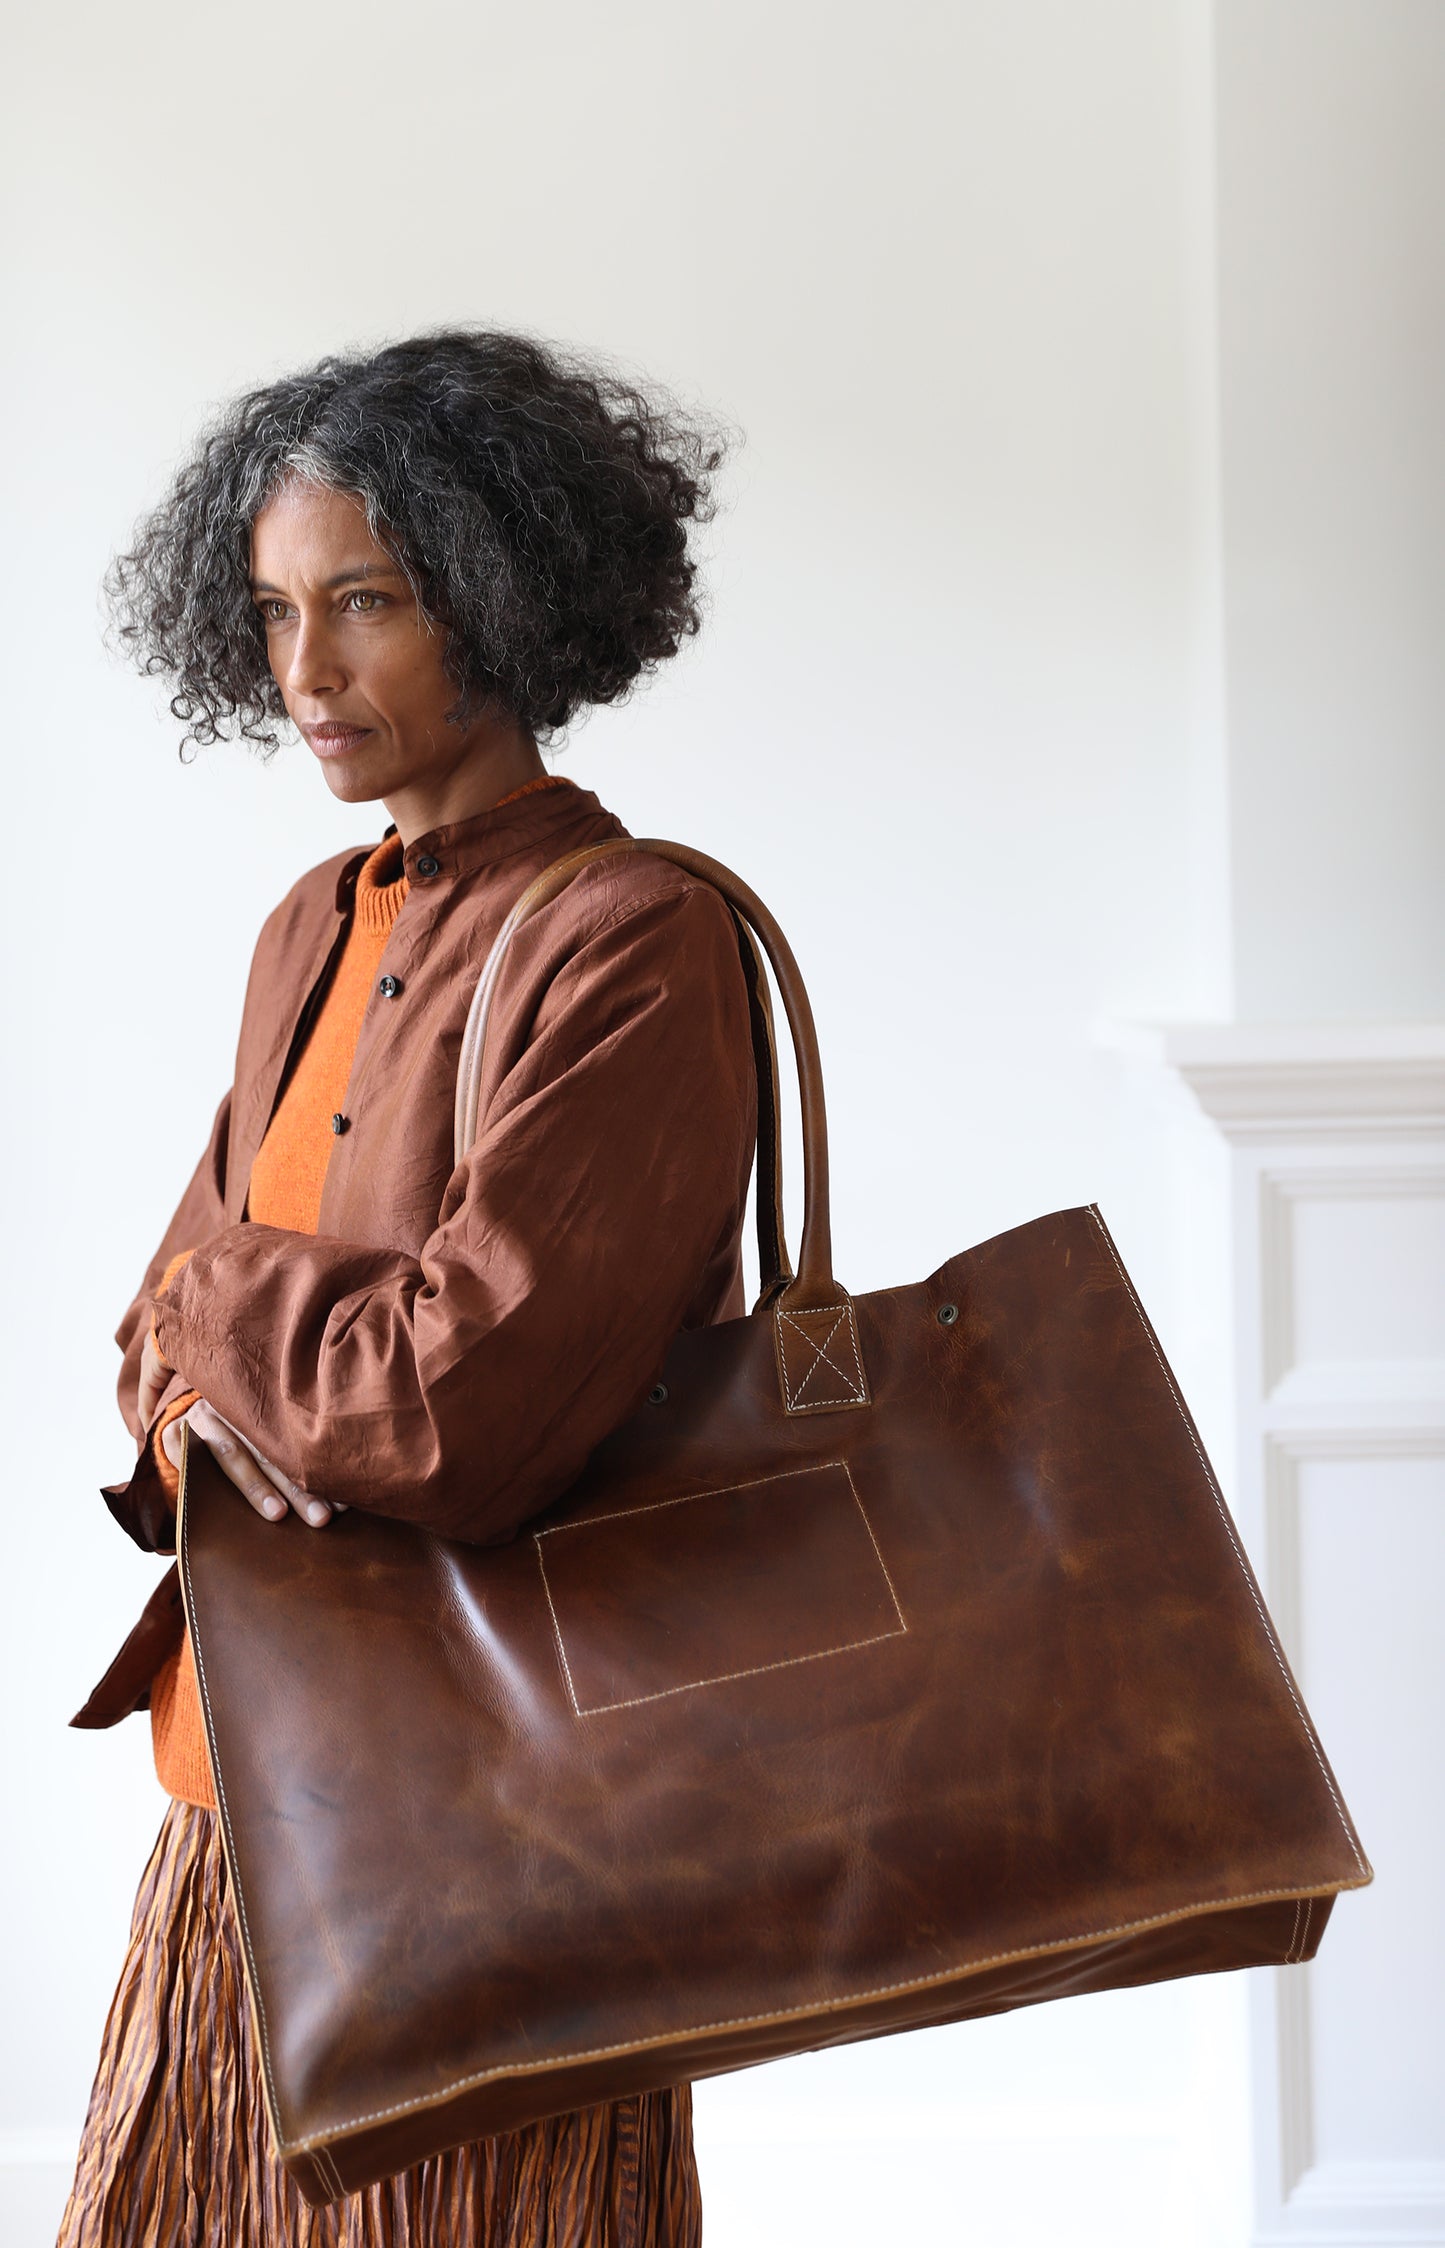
(388, 987)
(340, 1123)
(426, 864)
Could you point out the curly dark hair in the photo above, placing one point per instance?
(537, 504)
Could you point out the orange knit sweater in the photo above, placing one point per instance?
(285, 1190)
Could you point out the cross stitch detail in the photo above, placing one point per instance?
(822, 1350)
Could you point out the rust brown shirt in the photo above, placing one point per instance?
(455, 1338)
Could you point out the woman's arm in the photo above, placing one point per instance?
(199, 1214)
(463, 1389)
(149, 1391)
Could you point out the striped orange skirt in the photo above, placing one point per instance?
(176, 2150)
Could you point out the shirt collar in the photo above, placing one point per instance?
(445, 854)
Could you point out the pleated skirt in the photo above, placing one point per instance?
(176, 2150)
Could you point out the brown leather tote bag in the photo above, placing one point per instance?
(896, 1662)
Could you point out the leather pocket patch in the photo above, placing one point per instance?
(689, 1592)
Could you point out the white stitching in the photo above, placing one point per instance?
(1294, 1931)
(724, 1677)
(557, 1632)
(1304, 1934)
(853, 1384)
(1224, 1517)
(876, 1548)
(857, 1394)
(820, 1353)
(957, 1973)
(685, 1498)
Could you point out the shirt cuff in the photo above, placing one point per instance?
(170, 1475)
(163, 1283)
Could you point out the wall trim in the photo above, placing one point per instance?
(1263, 1081)
(1313, 1113)
(1362, 2205)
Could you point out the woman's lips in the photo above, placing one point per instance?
(335, 741)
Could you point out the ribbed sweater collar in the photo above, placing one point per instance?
(381, 882)
(381, 886)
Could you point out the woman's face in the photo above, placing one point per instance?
(358, 664)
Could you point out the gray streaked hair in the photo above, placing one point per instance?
(538, 505)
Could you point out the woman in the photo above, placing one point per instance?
(427, 560)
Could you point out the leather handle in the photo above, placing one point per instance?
(814, 1282)
(774, 1269)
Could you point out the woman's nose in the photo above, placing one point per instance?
(314, 668)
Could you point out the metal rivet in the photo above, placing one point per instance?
(340, 1123)
(657, 1395)
(947, 1314)
(388, 987)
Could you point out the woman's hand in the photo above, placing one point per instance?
(260, 1482)
(154, 1374)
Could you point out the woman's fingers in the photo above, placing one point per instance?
(315, 1511)
(154, 1374)
(261, 1483)
(171, 1439)
(233, 1456)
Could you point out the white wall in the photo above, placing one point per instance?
(1332, 359)
(1331, 236)
(957, 715)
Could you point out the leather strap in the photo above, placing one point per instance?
(774, 1268)
(814, 1282)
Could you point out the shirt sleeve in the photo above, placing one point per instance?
(168, 1475)
(462, 1389)
(199, 1213)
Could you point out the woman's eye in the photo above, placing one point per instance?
(272, 611)
(366, 601)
